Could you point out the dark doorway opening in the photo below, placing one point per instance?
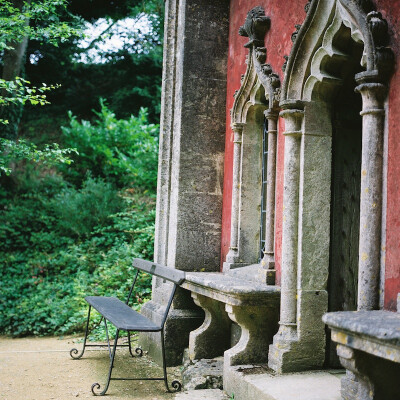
(345, 204)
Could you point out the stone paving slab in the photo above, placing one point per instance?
(312, 385)
(204, 394)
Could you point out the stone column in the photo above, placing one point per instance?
(232, 255)
(373, 114)
(293, 120)
(287, 331)
(189, 192)
(268, 261)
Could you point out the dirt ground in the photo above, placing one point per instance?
(42, 369)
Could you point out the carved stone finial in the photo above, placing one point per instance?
(255, 27)
(379, 28)
(261, 54)
(295, 33)
(285, 63)
(266, 69)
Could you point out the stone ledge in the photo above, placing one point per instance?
(231, 290)
(374, 332)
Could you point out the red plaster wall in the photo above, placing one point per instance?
(284, 15)
(391, 11)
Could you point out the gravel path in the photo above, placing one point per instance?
(41, 369)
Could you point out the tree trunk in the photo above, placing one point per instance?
(13, 62)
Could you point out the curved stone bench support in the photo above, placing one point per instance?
(225, 298)
(213, 336)
(258, 324)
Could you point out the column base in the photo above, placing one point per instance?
(289, 354)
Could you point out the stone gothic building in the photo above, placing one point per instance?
(279, 195)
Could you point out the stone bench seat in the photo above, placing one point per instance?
(228, 299)
(369, 348)
(231, 290)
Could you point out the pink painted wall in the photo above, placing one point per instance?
(391, 11)
(284, 15)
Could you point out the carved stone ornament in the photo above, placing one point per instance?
(295, 33)
(255, 27)
(306, 71)
(258, 73)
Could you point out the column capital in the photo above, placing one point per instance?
(271, 113)
(238, 126)
(292, 104)
(293, 121)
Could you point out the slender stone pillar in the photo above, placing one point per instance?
(287, 331)
(268, 261)
(232, 255)
(373, 114)
(293, 120)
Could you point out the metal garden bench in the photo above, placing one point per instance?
(123, 317)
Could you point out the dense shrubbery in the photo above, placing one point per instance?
(70, 233)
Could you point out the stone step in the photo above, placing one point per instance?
(203, 394)
(312, 385)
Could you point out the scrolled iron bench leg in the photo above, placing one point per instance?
(73, 352)
(176, 385)
(138, 350)
(97, 385)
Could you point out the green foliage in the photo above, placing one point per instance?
(60, 242)
(51, 154)
(122, 151)
(80, 211)
(19, 91)
(44, 16)
(45, 273)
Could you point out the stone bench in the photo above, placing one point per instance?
(228, 299)
(369, 348)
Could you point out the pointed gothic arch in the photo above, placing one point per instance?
(256, 100)
(317, 68)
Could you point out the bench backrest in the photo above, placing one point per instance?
(170, 274)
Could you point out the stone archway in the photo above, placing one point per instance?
(255, 101)
(317, 70)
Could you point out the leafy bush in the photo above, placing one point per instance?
(43, 292)
(80, 211)
(62, 239)
(122, 151)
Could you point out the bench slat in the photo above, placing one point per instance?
(121, 315)
(170, 274)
